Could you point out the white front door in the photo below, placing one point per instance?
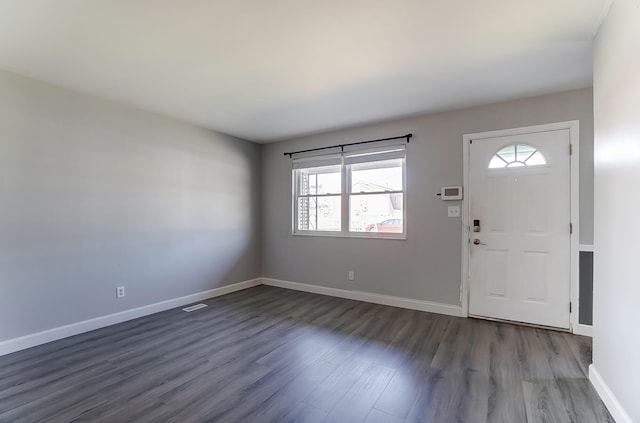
(519, 259)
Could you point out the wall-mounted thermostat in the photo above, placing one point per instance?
(451, 193)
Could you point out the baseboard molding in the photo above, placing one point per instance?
(613, 405)
(32, 340)
(586, 247)
(369, 297)
(584, 330)
(17, 344)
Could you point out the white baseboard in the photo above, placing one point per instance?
(440, 308)
(16, 344)
(28, 341)
(613, 405)
(584, 330)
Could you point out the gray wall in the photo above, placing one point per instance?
(617, 177)
(95, 195)
(427, 265)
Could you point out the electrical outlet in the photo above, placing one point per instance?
(453, 211)
(352, 275)
(120, 292)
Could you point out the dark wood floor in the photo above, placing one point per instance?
(273, 355)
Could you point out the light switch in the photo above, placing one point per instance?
(453, 211)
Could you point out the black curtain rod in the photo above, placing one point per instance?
(342, 146)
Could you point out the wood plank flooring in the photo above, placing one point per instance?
(267, 354)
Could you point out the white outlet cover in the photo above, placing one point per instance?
(453, 211)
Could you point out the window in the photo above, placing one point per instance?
(517, 155)
(359, 193)
(319, 198)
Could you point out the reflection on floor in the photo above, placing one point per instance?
(273, 355)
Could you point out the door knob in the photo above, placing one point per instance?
(477, 242)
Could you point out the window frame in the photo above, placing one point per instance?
(523, 163)
(345, 203)
(297, 195)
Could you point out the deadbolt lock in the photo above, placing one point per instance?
(476, 225)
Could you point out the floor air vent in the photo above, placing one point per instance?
(194, 307)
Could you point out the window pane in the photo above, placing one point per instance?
(537, 159)
(523, 152)
(319, 213)
(496, 162)
(515, 164)
(517, 156)
(377, 176)
(508, 153)
(376, 213)
(320, 180)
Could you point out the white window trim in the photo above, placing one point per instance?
(345, 196)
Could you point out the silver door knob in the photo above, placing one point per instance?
(477, 242)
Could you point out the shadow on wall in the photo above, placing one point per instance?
(95, 196)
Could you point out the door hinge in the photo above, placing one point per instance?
(570, 307)
(570, 228)
(571, 149)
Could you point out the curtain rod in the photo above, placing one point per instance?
(342, 146)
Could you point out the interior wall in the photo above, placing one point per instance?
(97, 195)
(617, 175)
(427, 265)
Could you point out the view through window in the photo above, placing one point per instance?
(376, 199)
(319, 198)
(357, 194)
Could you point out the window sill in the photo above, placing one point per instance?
(363, 235)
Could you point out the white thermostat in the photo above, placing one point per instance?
(451, 193)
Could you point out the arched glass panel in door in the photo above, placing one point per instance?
(517, 155)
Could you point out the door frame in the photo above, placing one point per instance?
(574, 139)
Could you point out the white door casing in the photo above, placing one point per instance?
(521, 270)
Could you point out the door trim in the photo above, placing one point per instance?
(574, 138)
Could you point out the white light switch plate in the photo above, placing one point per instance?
(453, 211)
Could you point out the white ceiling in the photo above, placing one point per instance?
(269, 70)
